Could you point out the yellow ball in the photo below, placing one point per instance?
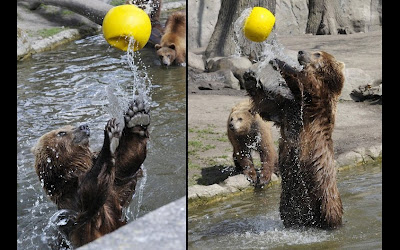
(125, 21)
(259, 24)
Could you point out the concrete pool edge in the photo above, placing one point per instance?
(163, 228)
(234, 185)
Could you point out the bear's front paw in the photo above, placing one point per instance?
(114, 134)
(262, 180)
(137, 116)
(275, 63)
(250, 81)
(250, 174)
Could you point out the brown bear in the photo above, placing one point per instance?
(248, 132)
(93, 188)
(310, 196)
(172, 49)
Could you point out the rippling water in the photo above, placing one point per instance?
(68, 86)
(251, 220)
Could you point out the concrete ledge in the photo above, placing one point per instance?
(239, 183)
(163, 228)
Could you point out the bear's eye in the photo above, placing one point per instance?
(317, 54)
(62, 133)
(240, 119)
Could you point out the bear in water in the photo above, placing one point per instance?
(248, 132)
(310, 196)
(93, 188)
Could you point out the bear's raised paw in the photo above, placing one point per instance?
(114, 134)
(137, 116)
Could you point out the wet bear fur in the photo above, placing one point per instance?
(310, 197)
(92, 188)
(248, 132)
(172, 49)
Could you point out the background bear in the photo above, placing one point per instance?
(172, 49)
(248, 132)
(309, 192)
(93, 188)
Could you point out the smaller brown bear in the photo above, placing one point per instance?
(172, 49)
(248, 132)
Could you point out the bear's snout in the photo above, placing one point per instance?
(303, 57)
(231, 126)
(85, 129)
(81, 134)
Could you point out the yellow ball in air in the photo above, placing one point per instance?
(125, 21)
(259, 24)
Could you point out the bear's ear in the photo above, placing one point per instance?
(341, 65)
(157, 46)
(172, 46)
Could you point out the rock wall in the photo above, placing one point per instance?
(291, 17)
(202, 16)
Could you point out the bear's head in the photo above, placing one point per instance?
(61, 156)
(240, 121)
(167, 54)
(325, 68)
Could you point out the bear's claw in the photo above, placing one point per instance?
(114, 134)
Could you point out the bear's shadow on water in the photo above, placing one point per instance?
(216, 174)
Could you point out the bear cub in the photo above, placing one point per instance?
(248, 132)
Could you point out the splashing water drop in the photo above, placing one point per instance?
(264, 52)
(119, 100)
(270, 48)
(141, 86)
(139, 193)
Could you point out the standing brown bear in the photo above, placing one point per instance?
(248, 132)
(172, 49)
(93, 188)
(310, 196)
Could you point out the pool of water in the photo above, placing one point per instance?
(68, 86)
(251, 220)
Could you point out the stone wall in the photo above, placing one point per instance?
(291, 17)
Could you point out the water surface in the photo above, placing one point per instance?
(251, 220)
(68, 86)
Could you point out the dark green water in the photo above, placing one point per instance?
(67, 86)
(251, 220)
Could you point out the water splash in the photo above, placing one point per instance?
(119, 99)
(263, 53)
(139, 193)
(142, 82)
(270, 48)
(141, 86)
